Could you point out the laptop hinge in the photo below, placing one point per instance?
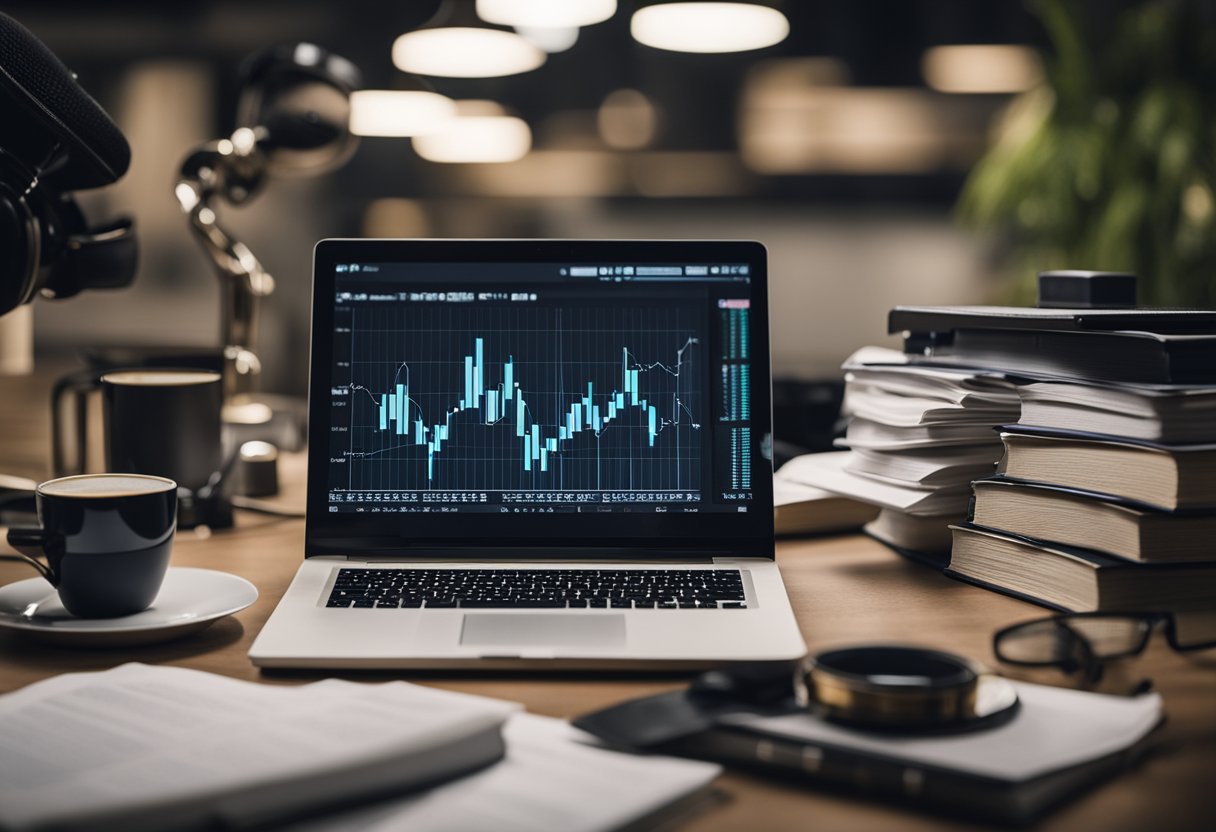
(745, 561)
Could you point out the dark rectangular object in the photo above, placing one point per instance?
(394, 318)
(1087, 290)
(1128, 356)
(941, 790)
(943, 320)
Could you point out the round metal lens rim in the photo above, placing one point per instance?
(838, 664)
(841, 694)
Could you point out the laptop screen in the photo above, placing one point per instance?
(534, 393)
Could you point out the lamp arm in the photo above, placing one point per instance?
(243, 280)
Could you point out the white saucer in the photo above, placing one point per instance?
(189, 600)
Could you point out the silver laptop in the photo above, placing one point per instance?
(537, 453)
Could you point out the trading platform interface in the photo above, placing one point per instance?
(541, 388)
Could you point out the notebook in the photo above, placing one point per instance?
(532, 453)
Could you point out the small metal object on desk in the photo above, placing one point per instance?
(257, 472)
(904, 689)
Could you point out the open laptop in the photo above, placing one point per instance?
(537, 453)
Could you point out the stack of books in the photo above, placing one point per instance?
(917, 437)
(1105, 498)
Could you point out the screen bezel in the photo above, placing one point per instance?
(676, 535)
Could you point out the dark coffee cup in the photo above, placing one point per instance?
(162, 422)
(156, 421)
(106, 539)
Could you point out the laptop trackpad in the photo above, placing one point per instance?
(525, 630)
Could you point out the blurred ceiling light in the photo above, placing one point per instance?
(776, 77)
(860, 131)
(480, 107)
(792, 123)
(627, 120)
(396, 218)
(549, 38)
(480, 132)
(981, 69)
(398, 112)
(708, 27)
(465, 52)
(545, 13)
(689, 174)
(568, 130)
(547, 174)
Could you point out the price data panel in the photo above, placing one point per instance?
(540, 388)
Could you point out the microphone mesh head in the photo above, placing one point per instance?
(44, 92)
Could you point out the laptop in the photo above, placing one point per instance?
(537, 453)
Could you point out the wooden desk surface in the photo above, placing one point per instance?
(844, 590)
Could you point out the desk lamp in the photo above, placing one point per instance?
(292, 115)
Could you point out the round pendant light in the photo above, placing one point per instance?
(545, 14)
(456, 44)
(481, 132)
(550, 38)
(708, 27)
(399, 112)
(465, 52)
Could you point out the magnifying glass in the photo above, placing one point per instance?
(903, 689)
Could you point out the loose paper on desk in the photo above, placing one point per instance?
(141, 747)
(1053, 729)
(550, 780)
(827, 471)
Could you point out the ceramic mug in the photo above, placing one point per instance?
(106, 539)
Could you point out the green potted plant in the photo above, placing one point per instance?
(1110, 163)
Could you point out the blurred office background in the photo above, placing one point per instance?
(845, 148)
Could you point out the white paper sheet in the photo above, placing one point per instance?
(86, 743)
(1054, 729)
(827, 471)
(549, 780)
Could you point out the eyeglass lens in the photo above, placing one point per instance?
(1194, 629)
(1055, 640)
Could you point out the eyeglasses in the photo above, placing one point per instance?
(1082, 642)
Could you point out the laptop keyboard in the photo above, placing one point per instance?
(664, 589)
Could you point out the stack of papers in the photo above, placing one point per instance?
(919, 435)
(554, 777)
(161, 748)
(804, 509)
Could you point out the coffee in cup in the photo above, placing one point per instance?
(106, 539)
